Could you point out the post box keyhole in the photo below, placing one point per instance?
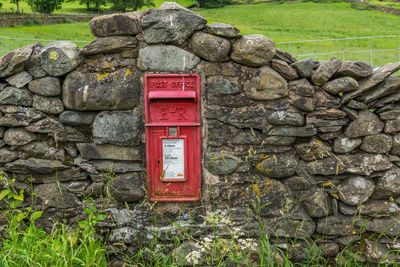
(158, 161)
(173, 131)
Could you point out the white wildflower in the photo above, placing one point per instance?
(193, 257)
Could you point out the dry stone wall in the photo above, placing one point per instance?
(308, 148)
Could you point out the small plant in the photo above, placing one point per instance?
(24, 244)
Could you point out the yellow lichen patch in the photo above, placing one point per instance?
(256, 189)
(328, 183)
(335, 196)
(128, 72)
(260, 167)
(53, 55)
(109, 65)
(102, 76)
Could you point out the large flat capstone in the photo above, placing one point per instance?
(118, 90)
(171, 23)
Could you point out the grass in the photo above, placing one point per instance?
(75, 7)
(282, 22)
(291, 21)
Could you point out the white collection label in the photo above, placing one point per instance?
(173, 158)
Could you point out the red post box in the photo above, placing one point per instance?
(172, 106)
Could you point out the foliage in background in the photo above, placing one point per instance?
(45, 6)
(213, 3)
(124, 5)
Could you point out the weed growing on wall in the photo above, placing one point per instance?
(24, 244)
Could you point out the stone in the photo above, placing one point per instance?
(51, 105)
(332, 114)
(392, 114)
(15, 96)
(367, 123)
(116, 24)
(345, 145)
(94, 189)
(70, 174)
(119, 90)
(166, 58)
(8, 155)
(396, 145)
(284, 69)
(77, 118)
(34, 165)
(378, 75)
(299, 183)
(387, 226)
(117, 166)
(126, 187)
(306, 104)
(336, 225)
(223, 30)
(93, 151)
(118, 127)
(42, 149)
(293, 131)
(357, 105)
(351, 113)
(360, 164)
(48, 125)
(269, 85)
(253, 50)
(274, 198)
(392, 126)
(317, 204)
(15, 61)
(347, 210)
(312, 150)
(304, 67)
(18, 137)
(301, 87)
(112, 44)
(222, 86)
(286, 118)
(77, 187)
(60, 57)
(14, 120)
(279, 140)
(47, 86)
(355, 190)
(379, 253)
(328, 136)
(340, 85)
(329, 249)
(37, 72)
(210, 47)
(171, 23)
(389, 86)
(19, 80)
(278, 166)
(285, 56)
(355, 69)
(54, 195)
(221, 163)
(387, 185)
(2, 130)
(380, 143)
(377, 208)
(326, 70)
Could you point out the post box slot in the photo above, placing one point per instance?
(172, 95)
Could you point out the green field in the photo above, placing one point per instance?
(73, 7)
(282, 22)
